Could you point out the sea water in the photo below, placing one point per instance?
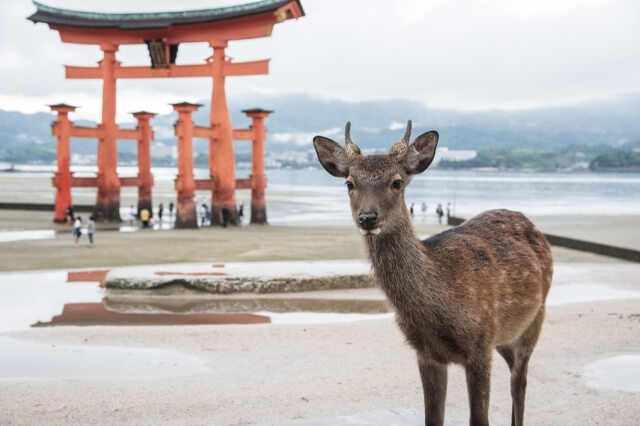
(312, 197)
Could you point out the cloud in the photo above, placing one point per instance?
(302, 138)
(460, 55)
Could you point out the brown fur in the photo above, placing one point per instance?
(459, 294)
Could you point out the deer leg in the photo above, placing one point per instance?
(509, 356)
(478, 372)
(522, 350)
(434, 387)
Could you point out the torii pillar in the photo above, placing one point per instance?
(108, 199)
(61, 128)
(145, 178)
(185, 183)
(258, 176)
(222, 162)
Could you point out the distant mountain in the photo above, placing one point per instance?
(375, 125)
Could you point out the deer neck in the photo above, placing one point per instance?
(402, 266)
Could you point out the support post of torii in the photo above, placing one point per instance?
(145, 178)
(61, 128)
(185, 183)
(258, 176)
(108, 199)
(221, 156)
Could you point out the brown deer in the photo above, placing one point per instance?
(457, 294)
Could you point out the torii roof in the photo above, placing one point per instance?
(156, 20)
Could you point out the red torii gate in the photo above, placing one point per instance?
(162, 33)
(64, 180)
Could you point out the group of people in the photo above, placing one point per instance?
(146, 215)
(146, 219)
(439, 210)
(77, 226)
(225, 215)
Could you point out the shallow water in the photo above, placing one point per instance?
(616, 373)
(571, 293)
(60, 298)
(23, 360)
(34, 234)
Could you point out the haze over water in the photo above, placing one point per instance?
(301, 197)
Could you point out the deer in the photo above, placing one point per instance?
(458, 294)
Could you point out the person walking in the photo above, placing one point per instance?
(423, 208)
(132, 215)
(411, 210)
(240, 212)
(440, 213)
(91, 229)
(69, 212)
(225, 216)
(144, 217)
(170, 209)
(204, 214)
(77, 229)
(160, 210)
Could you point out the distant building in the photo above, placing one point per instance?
(444, 153)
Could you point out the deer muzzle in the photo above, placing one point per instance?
(368, 221)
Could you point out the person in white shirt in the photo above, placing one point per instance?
(77, 229)
(91, 229)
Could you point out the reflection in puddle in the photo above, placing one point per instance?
(36, 234)
(21, 360)
(616, 373)
(195, 304)
(98, 314)
(60, 298)
(583, 293)
(319, 317)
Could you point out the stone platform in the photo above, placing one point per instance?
(245, 277)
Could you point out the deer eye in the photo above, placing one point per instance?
(349, 185)
(397, 184)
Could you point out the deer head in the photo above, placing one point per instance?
(376, 183)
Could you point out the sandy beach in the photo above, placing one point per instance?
(324, 374)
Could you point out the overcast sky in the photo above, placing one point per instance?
(467, 55)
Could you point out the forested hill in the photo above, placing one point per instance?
(375, 125)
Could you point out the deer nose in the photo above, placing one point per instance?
(368, 220)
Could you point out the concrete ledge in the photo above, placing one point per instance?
(572, 243)
(41, 207)
(249, 277)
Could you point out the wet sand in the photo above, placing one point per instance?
(253, 243)
(326, 374)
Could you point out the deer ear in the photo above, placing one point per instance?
(331, 156)
(421, 152)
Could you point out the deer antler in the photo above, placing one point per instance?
(400, 149)
(407, 133)
(351, 150)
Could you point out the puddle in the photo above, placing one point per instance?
(36, 234)
(319, 317)
(22, 360)
(566, 294)
(29, 297)
(616, 373)
(75, 298)
(98, 314)
(205, 303)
